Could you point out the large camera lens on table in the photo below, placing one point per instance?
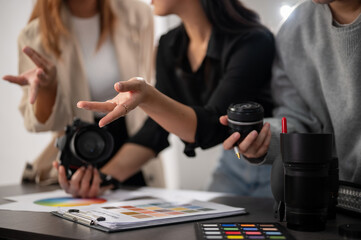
(306, 158)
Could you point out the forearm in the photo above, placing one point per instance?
(127, 161)
(44, 102)
(173, 116)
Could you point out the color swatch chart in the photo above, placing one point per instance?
(242, 231)
(157, 210)
(152, 212)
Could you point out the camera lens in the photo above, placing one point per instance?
(306, 159)
(90, 145)
(245, 117)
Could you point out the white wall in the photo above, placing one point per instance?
(17, 146)
(269, 10)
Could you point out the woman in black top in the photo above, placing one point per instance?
(219, 55)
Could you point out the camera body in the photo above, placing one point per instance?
(245, 117)
(84, 144)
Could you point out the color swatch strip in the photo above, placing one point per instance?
(242, 231)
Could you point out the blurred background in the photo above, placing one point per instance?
(17, 146)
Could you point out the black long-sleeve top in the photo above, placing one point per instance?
(237, 67)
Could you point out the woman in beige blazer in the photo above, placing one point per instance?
(55, 72)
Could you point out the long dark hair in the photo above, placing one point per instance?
(230, 16)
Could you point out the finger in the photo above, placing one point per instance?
(56, 165)
(20, 80)
(62, 179)
(95, 187)
(85, 182)
(104, 107)
(134, 84)
(247, 142)
(39, 60)
(118, 112)
(231, 141)
(224, 120)
(261, 136)
(265, 145)
(75, 181)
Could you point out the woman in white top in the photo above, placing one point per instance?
(78, 50)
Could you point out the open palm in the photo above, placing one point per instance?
(131, 94)
(43, 76)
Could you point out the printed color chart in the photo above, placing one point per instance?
(139, 213)
(157, 210)
(242, 231)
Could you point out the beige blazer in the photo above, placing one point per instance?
(133, 41)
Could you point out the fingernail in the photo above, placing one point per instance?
(236, 135)
(118, 86)
(140, 78)
(27, 50)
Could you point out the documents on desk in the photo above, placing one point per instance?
(118, 210)
(117, 216)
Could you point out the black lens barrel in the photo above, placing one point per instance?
(245, 117)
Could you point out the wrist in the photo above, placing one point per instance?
(108, 180)
(149, 92)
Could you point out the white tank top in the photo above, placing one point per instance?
(101, 67)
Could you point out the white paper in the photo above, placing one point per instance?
(184, 195)
(27, 202)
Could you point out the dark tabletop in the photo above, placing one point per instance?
(40, 225)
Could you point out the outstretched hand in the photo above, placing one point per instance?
(255, 145)
(85, 182)
(43, 76)
(131, 94)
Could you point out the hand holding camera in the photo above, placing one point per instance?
(84, 183)
(83, 149)
(84, 144)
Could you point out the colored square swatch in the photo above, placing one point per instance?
(242, 231)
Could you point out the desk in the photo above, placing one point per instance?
(36, 225)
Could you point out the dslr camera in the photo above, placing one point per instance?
(84, 144)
